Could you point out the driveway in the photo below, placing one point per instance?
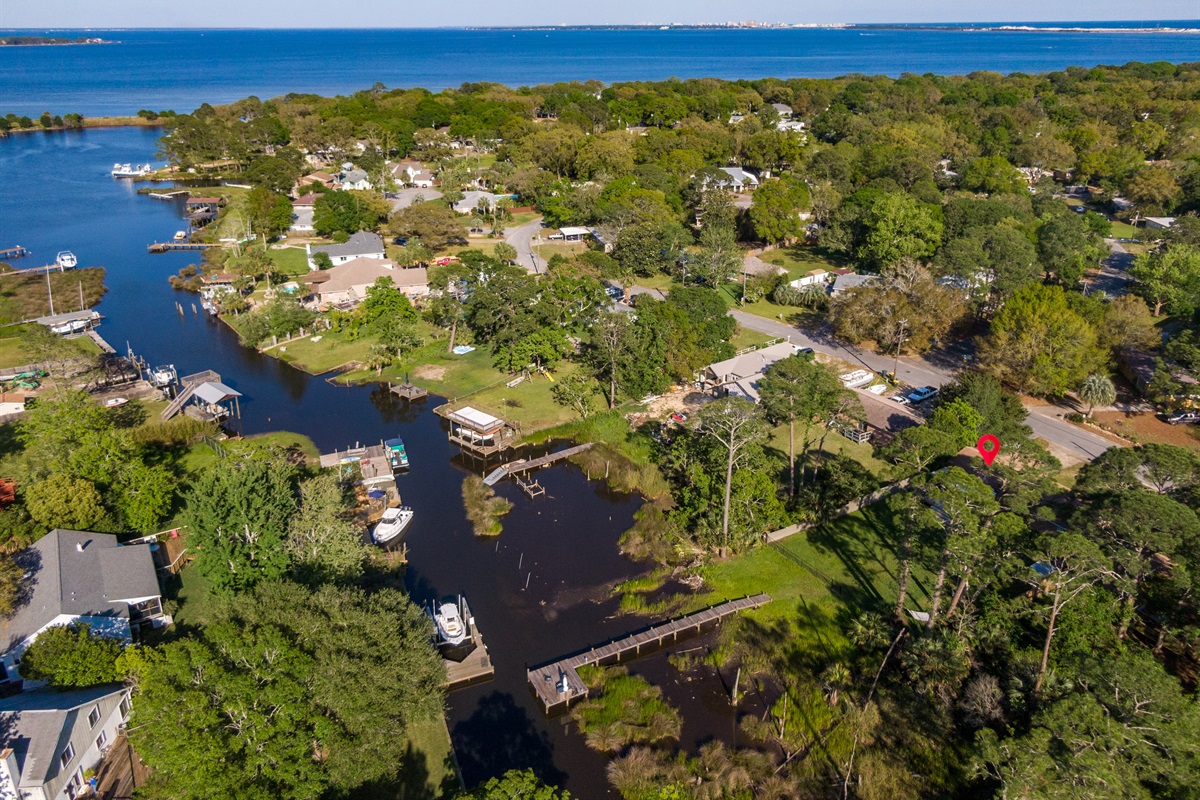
(522, 239)
(1069, 443)
(403, 198)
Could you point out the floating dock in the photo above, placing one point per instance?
(524, 465)
(558, 684)
(477, 666)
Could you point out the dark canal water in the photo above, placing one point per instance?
(565, 541)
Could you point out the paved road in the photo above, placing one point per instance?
(522, 239)
(1070, 443)
(1113, 277)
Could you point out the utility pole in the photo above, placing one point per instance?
(900, 341)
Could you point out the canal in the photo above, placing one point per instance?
(59, 196)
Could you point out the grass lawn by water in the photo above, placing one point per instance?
(819, 579)
(1122, 230)
(12, 351)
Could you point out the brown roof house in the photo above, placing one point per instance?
(346, 284)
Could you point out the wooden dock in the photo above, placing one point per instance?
(13, 252)
(408, 391)
(170, 247)
(524, 465)
(557, 684)
(477, 666)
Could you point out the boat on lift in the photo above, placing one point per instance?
(131, 171)
(394, 522)
(66, 260)
(163, 376)
(449, 622)
(397, 455)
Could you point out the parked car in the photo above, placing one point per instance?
(400, 240)
(902, 399)
(922, 394)
(615, 292)
(679, 416)
(1184, 418)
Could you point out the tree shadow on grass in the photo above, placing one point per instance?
(411, 784)
(500, 736)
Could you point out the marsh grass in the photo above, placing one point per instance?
(624, 710)
(484, 508)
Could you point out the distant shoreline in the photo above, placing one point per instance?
(94, 122)
(48, 41)
(966, 27)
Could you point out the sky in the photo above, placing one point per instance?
(411, 14)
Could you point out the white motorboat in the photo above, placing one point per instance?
(66, 260)
(394, 522)
(114, 402)
(163, 376)
(449, 622)
(131, 171)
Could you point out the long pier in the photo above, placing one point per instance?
(524, 465)
(558, 683)
(169, 247)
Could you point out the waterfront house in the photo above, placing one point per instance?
(355, 179)
(346, 285)
(49, 739)
(739, 376)
(80, 577)
(363, 244)
(203, 210)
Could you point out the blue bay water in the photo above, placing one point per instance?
(179, 69)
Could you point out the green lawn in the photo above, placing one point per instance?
(12, 351)
(291, 261)
(1122, 230)
(201, 455)
(835, 444)
(330, 352)
(798, 260)
(744, 337)
(428, 771)
(818, 579)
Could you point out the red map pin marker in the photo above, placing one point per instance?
(989, 448)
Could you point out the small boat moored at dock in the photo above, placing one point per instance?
(131, 171)
(397, 455)
(66, 260)
(451, 628)
(163, 376)
(394, 522)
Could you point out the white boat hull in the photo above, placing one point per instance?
(392, 526)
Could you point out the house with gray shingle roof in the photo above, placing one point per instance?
(355, 179)
(48, 739)
(363, 244)
(80, 577)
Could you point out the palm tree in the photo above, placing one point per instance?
(1097, 390)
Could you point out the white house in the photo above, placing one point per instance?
(739, 179)
(1159, 223)
(80, 577)
(810, 278)
(48, 739)
(347, 284)
(355, 179)
(363, 244)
